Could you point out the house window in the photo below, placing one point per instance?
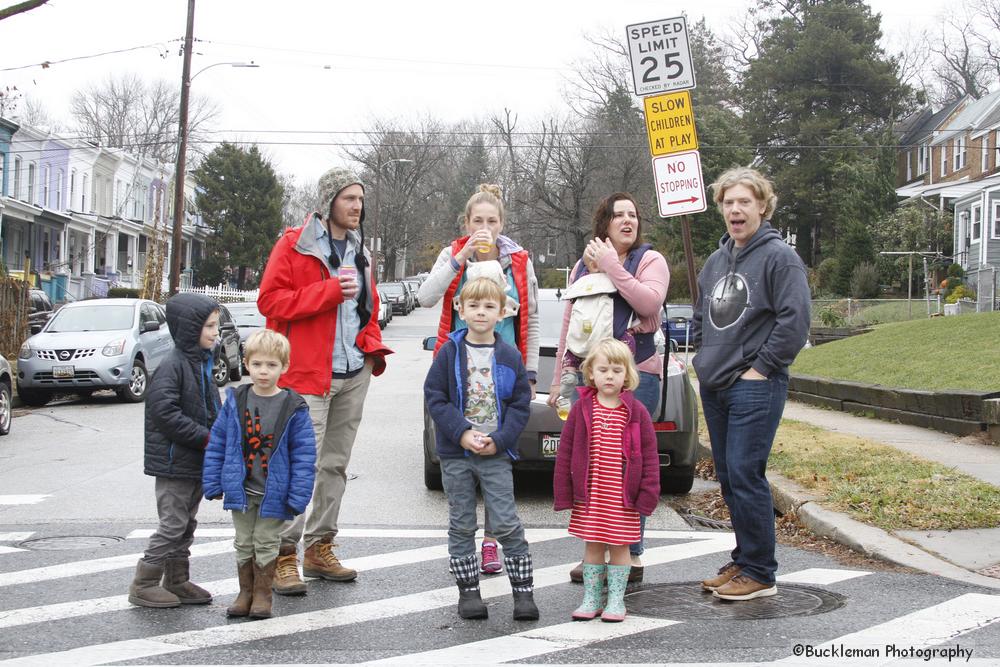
(31, 183)
(72, 188)
(909, 166)
(59, 187)
(995, 233)
(83, 195)
(923, 160)
(977, 224)
(944, 160)
(46, 180)
(960, 154)
(984, 165)
(17, 178)
(963, 228)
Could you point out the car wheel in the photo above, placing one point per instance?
(138, 382)
(676, 481)
(221, 371)
(236, 372)
(4, 408)
(432, 474)
(34, 397)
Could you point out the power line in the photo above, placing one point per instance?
(160, 46)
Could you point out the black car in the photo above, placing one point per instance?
(398, 296)
(39, 311)
(229, 353)
(676, 428)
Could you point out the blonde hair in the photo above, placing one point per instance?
(268, 343)
(616, 352)
(763, 189)
(482, 289)
(488, 193)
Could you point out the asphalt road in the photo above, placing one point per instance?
(74, 470)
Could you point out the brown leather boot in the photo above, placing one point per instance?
(241, 606)
(261, 607)
(176, 579)
(286, 578)
(320, 562)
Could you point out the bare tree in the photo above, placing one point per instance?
(127, 112)
(20, 7)
(298, 200)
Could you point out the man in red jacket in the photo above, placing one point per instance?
(318, 290)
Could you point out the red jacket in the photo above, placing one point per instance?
(300, 301)
(641, 483)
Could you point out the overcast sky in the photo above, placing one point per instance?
(329, 68)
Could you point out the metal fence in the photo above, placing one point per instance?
(861, 312)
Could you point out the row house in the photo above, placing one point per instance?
(77, 218)
(951, 159)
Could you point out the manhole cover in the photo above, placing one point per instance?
(69, 542)
(687, 600)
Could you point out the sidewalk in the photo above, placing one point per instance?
(963, 555)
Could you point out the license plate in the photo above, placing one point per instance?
(550, 446)
(62, 371)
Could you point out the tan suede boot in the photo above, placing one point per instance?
(241, 606)
(145, 589)
(261, 607)
(286, 579)
(319, 561)
(176, 579)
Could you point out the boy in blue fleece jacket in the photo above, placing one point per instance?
(261, 459)
(478, 395)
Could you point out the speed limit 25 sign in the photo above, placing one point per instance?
(661, 59)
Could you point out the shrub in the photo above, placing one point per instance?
(864, 281)
(123, 293)
(832, 316)
(955, 270)
(960, 292)
(825, 274)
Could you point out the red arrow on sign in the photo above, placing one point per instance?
(689, 200)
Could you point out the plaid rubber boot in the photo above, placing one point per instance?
(522, 584)
(466, 573)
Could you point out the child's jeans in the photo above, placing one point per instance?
(257, 538)
(177, 502)
(497, 483)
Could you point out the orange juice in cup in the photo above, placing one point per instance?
(484, 247)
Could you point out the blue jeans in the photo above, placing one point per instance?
(647, 393)
(496, 481)
(742, 420)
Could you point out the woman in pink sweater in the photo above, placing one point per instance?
(641, 276)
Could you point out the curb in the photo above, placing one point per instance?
(790, 498)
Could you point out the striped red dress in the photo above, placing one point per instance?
(605, 519)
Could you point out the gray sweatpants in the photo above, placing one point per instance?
(177, 503)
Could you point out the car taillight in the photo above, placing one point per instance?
(664, 426)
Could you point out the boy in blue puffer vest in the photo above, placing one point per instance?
(261, 459)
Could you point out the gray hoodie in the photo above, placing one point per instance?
(753, 309)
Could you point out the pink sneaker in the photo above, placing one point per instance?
(490, 559)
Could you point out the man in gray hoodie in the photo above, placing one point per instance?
(751, 320)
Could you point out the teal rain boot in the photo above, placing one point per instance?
(593, 583)
(614, 610)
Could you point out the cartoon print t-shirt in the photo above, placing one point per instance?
(480, 396)
(258, 437)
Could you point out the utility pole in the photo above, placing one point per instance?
(177, 238)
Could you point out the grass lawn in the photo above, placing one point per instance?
(934, 354)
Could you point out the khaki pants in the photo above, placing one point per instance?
(335, 418)
(257, 537)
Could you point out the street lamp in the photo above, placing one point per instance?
(378, 215)
(182, 132)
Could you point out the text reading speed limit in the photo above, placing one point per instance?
(661, 59)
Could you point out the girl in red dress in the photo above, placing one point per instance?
(608, 472)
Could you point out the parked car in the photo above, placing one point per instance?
(6, 386)
(412, 286)
(229, 353)
(95, 344)
(398, 296)
(676, 323)
(676, 425)
(385, 310)
(247, 319)
(39, 311)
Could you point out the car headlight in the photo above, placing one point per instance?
(114, 348)
(25, 352)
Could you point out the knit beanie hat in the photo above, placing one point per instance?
(330, 185)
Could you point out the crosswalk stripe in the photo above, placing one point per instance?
(23, 499)
(430, 533)
(529, 644)
(62, 610)
(15, 537)
(83, 567)
(820, 575)
(9, 550)
(225, 635)
(926, 627)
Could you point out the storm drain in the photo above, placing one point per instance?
(687, 600)
(699, 521)
(70, 542)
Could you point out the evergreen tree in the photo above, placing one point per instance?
(240, 199)
(819, 100)
(854, 248)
